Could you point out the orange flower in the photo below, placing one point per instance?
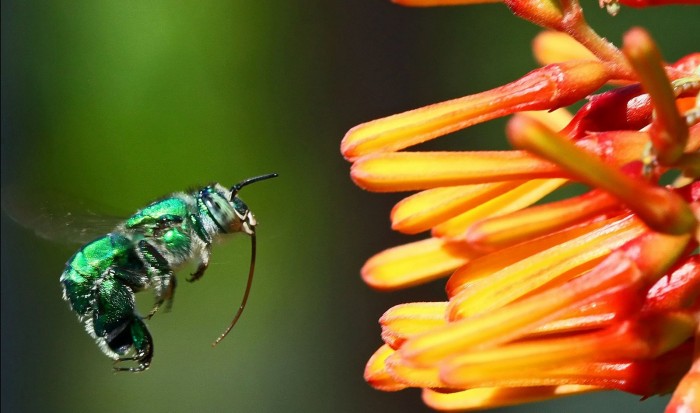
(598, 291)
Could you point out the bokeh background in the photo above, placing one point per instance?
(115, 103)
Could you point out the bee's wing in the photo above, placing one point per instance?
(57, 217)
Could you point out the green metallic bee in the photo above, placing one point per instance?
(141, 253)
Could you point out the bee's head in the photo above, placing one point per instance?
(227, 210)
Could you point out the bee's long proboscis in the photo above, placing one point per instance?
(251, 271)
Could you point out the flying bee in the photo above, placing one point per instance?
(141, 253)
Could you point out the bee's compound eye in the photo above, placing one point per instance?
(240, 207)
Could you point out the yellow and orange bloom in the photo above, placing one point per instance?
(595, 292)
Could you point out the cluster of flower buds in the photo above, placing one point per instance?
(594, 292)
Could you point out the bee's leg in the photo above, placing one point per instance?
(164, 292)
(95, 294)
(140, 338)
(114, 321)
(203, 264)
(162, 276)
(136, 280)
(111, 295)
(170, 293)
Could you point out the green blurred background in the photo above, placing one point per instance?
(120, 102)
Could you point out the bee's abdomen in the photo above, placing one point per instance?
(90, 263)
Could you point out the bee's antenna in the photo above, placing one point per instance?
(238, 186)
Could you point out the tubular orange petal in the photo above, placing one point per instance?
(669, 130)
(552, 47)
(549, 87)
(655, 253)
(525, 360)
(642, 377)
(613, 306)
(422, 211)
(413, 263)
(556, 264)
(376, 374)
(510, 229)
(413, 375)
(661, 209)
(503, 324)
(492, 397)
(479, 268)
(546, 13)
(407, 320)
(514, 200)
(407, 171)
